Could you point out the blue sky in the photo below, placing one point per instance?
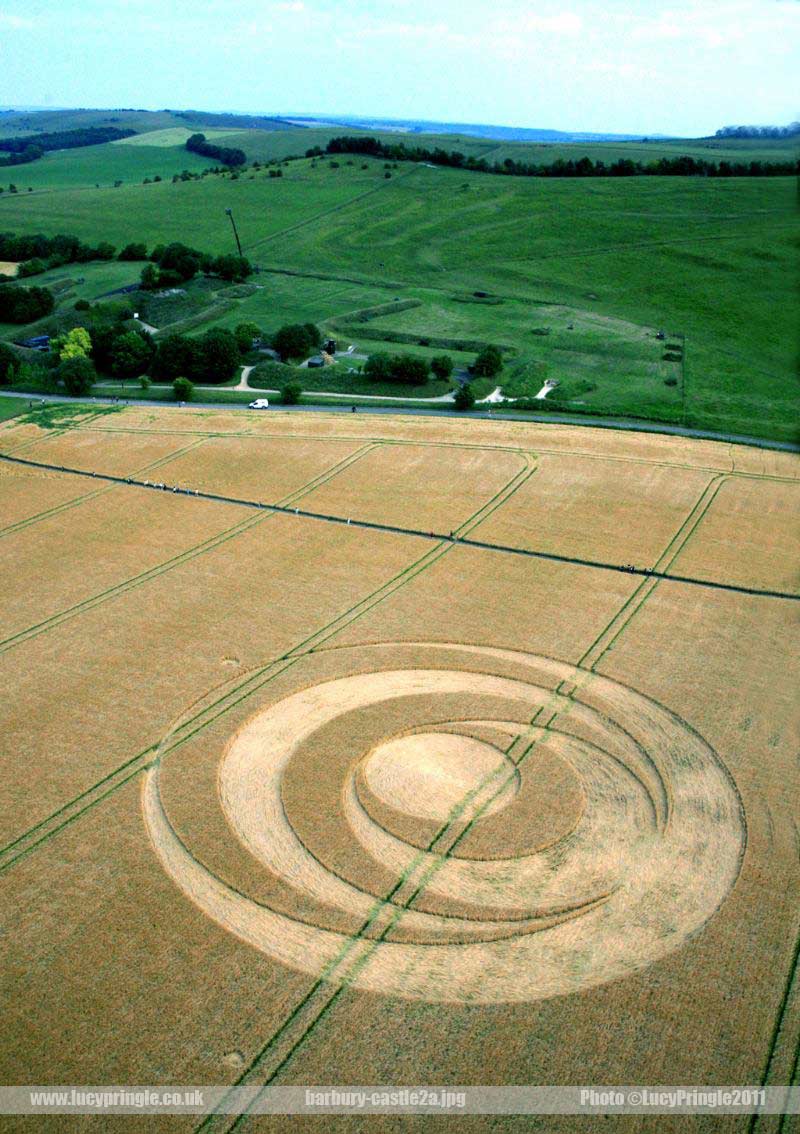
(625, 66)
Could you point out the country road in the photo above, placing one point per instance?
(627, 425)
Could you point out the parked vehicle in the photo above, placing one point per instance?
(259, 403)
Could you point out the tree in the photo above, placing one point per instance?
(150, 278)
(378, 367)
(10, 363)
(442, 366)
(232, 267)
(24, 304)
(182, 389)
(295, 340)
(105, 251)
(134, 251)
(218, 355)
(488, 363)
(131, 354)
(291, 393)
(246, 333)
(175, 355)
(78, 374)
(76, 343)
(464, 399)
(406, 368)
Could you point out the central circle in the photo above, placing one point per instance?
(436, 775)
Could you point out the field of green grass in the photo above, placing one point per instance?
(712, 260)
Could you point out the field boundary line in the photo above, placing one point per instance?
(209, 544)
(561, 699)
(678, 542)
(326, 213)
(255, 680)
(789, 1005)
(20, 525)
(420, 533)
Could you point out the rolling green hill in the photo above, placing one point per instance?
(713, 260)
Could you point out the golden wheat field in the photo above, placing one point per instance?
(404, 781)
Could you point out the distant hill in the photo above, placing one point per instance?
(500, 133)
(25, 121)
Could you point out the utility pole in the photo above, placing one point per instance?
(235, 233)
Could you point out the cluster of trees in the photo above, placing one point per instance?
(24, 304)
(296, 340)
(176, 263)
(30, 153)
(681, 166)
(36, 253)
(488, 362)
(790, 131)
(226, 155)
(30, 147)
(210, 358)
(384, 367)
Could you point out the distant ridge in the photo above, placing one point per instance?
(499, 133)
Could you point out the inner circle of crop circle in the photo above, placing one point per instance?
(646, 860)
(429, 775)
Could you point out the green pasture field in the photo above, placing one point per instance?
(712, 260)
(172, 137)
(89, 166)
(10, 407)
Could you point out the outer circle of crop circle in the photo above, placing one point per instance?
(654, 850)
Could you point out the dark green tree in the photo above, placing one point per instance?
(133, 251)
(442, 365)
(10, 363)
(77, 374)
(464, 398)
(291, 393)
(219, 355)
(131, 354)
(488, 363)
(183, 390)
(246, 333)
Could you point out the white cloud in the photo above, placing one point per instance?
(14, 23)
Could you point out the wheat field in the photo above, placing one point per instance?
(365, 757)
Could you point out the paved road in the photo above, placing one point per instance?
(504, 415)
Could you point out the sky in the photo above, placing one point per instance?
(617, 66)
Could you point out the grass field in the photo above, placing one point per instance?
(710, 262)
(300, 801)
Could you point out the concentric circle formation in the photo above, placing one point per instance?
(573, 834)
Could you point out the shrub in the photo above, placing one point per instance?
(671, 356)
(134, 251)
(24, 304)
(442, 366)
(144, 382)
(488, 363)
(82, 305)
(465, 398)
(296, 340)
(77, 374)
(382, 367)
(10, 364)
(183, 389)
(672, 381)
(245, 334)
(291, 393)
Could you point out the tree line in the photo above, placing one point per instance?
(682, 166)
(790, 131)
(226, 155)
(169, 264)
(30, 147)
